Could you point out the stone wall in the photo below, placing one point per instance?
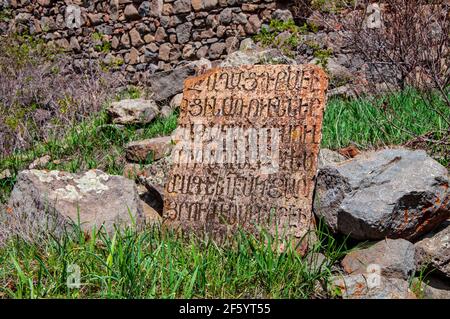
(137, 36)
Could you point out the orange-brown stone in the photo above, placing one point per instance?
(246, 151)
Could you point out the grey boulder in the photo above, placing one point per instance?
(54, 201)
(394, 193)
(133, 111)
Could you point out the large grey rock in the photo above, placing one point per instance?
(394, 193)
(133, 111)
(394, 257)
(167, 84)
(53, 200)
(434, 250)
(362, 287)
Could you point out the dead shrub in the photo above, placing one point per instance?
(43, 91)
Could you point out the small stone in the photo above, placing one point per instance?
(5, 174)
(131, 13)
(40, 162)
(329, 157)
(184, 32)
(247, 44)
(175, 102)
(226, 16)
(253, 24)
(216, 50)
(197, 5)
(282, 15)
(74, 45)
(137, 111)
(160, 34)
(181, 6)
(202, 52)
(152, 47)
(232, 44)
(125, 40)
(150, 149)
(249, 7)
(148, 38)
(394, 257)
(167, 52)
(167, 9)
(135, 37)
(188, 51)
(240, 18)
(210, 4)
(115, 42)
(134, 56)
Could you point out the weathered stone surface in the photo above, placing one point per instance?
(137, 111)
(329, 157)
(131, 13)
(253, 24)
(155, 176)
(395, 257)
(72, 17)
(181, 6)
(154, 149)
(5, 174)
(252, 57)
(359, 287)
(434, 249)
(282, 15)
(216, 50)
(394, 193)
(135, 37)
(57, 199)
(167, 84)
(184, 32)
(40, 162)
(245, 185)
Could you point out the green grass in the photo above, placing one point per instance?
(156, 264)
(364, 122)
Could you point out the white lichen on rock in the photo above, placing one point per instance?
(48, 177)
(90, 181)
(69, 193)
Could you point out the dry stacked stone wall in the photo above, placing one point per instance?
(140, 36)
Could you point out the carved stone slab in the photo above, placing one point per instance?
(246, 151)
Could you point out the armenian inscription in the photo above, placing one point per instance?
(246, 151)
